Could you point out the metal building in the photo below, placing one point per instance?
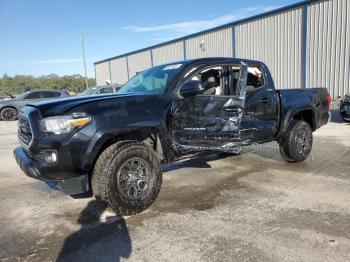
(306, 44)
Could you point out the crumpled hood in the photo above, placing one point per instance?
(63, 105)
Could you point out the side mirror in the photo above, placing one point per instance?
(249, 88)
(192, 88)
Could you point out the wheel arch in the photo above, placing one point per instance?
(305, 114)
(155, 137)
(9, 106)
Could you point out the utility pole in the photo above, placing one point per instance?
(83, 51)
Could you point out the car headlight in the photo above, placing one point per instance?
(65, 124)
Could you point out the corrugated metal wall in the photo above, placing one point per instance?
(275, 40)
(217, 43)
(299, 52)
(119, 70)
(139, 62)
(102, 73)
(328, 47)
(168, 53)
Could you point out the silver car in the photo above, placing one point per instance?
(10, 107)
(100, 90)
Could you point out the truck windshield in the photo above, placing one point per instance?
(154, 80)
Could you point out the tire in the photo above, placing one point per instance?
(9, 114)
(127, 190)
(296, 144)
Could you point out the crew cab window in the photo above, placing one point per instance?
(211, 79)
(105, 90)
(33, 95)
(255, 78)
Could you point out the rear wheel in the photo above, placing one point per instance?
(128, 176)
(296, 144)
(9, 114)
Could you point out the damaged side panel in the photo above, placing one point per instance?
(206, 123)
(206, 120)
(209, 122)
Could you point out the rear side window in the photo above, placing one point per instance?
(255, 78)
(50, 94)
(33, 95)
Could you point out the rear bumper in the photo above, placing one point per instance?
(31, 167)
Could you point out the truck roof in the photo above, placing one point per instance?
(216, 59)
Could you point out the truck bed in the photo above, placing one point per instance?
(313, 99)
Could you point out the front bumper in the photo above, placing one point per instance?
(31, 167)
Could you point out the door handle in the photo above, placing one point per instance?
(265, 100)
(233, 109)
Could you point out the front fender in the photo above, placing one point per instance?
(104, 137)
(97, 142)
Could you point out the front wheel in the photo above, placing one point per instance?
(296, 144)
(128, 176)
(9, 114)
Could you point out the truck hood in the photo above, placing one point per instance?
(63, 105)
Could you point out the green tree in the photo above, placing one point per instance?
(22, 83)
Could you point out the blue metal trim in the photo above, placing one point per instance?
(110, 71)
(95, 74)
(275, 11)
(127, 66)
(151, 50)
(233, 41)
(304, 51)
(185, 49)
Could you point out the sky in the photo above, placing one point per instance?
(40, 37)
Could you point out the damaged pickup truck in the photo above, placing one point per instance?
(115, 145)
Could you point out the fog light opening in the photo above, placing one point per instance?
(50, 157)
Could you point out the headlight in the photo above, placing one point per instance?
(65, 124)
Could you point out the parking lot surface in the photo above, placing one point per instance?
(251, 207)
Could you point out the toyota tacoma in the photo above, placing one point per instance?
(114, 145)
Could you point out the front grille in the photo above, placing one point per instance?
(24, 130)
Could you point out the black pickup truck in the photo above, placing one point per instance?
(114, 145)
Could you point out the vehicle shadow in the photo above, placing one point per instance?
(96, 240)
